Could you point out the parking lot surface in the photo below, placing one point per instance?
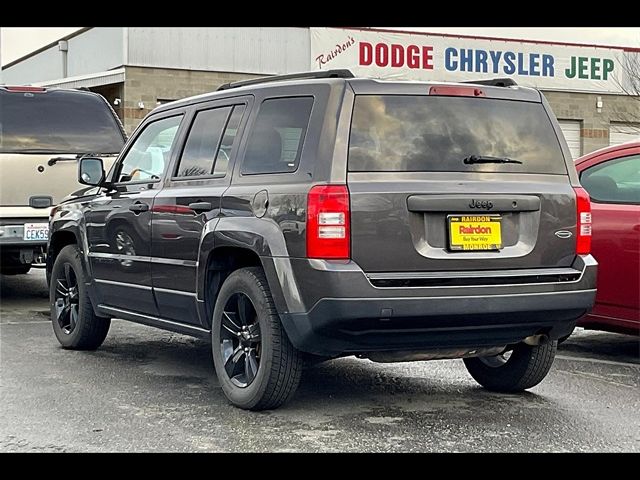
(149, 390)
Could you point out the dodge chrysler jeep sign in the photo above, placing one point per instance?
(416, 56)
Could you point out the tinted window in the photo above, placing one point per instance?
(202, 144)
(57, 122)
(432, 133)
(224, 152)
(275, 143)
(615, 181)
(149, 154)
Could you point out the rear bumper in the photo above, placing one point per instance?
(379, 319)
(14, 249)
(12, 232)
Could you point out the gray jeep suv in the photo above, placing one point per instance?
(317, 215)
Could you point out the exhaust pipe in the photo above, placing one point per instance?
(535, 340)
(434, 354)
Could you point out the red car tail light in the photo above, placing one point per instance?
(583, 207)
(328, 222)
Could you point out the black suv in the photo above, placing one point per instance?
(317, 215)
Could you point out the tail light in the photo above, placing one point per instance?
(328, 222)
(26, 89)
(583, 206)
(456, 91)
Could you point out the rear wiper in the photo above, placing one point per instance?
(53, 160)
(471, 159)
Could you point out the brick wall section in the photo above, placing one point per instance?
(595, 125)
(150, 84)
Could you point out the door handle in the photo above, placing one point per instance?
(139, 207)
(200, 207)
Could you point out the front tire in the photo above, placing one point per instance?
(75, 323)
(256, 364)
(525, 367)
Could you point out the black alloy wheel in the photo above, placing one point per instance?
(75, 323)
(257, 366)
(240, 340)
(67, 301)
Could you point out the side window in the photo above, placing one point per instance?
(224, 152)
(275, 143)
(614, 181)
(149, 154)
(202, 143)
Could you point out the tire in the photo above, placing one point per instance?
(82, 330)
(525, 368)
(265, 372)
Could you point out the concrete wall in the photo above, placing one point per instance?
(96, 50)
(46, 65)
(595, 125)
(152, 84)
(222, 49)
(83, 57)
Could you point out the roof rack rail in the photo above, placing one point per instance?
(495, 82)
(338, 73)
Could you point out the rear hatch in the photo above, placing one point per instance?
(42, 134)
(418, 206)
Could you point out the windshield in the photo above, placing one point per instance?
(57, 122)
(436, 133)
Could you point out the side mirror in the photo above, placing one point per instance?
(91, 171)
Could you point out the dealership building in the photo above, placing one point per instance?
(138, 68)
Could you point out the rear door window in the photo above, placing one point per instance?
(275, 143)
(208, 147)
(202, 142)
(226, 145)
(405, 133)
(57, 121)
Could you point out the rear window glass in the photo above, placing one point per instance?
(432, 133)
(275, 143)
(57, 122)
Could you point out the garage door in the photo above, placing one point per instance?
(620, 133)
(571, 131)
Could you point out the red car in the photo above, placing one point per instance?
(612, 178)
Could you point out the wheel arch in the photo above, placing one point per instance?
(57, 242)
(221, 262)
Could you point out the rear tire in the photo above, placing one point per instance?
(75, 323)
(256, 364)
(524, 368)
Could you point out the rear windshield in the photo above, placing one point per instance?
(57, 122)
(435, 133)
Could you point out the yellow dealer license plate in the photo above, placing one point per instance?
(474, 232)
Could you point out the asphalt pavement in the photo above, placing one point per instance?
(149, 390)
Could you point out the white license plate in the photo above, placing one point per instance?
(36, 231)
